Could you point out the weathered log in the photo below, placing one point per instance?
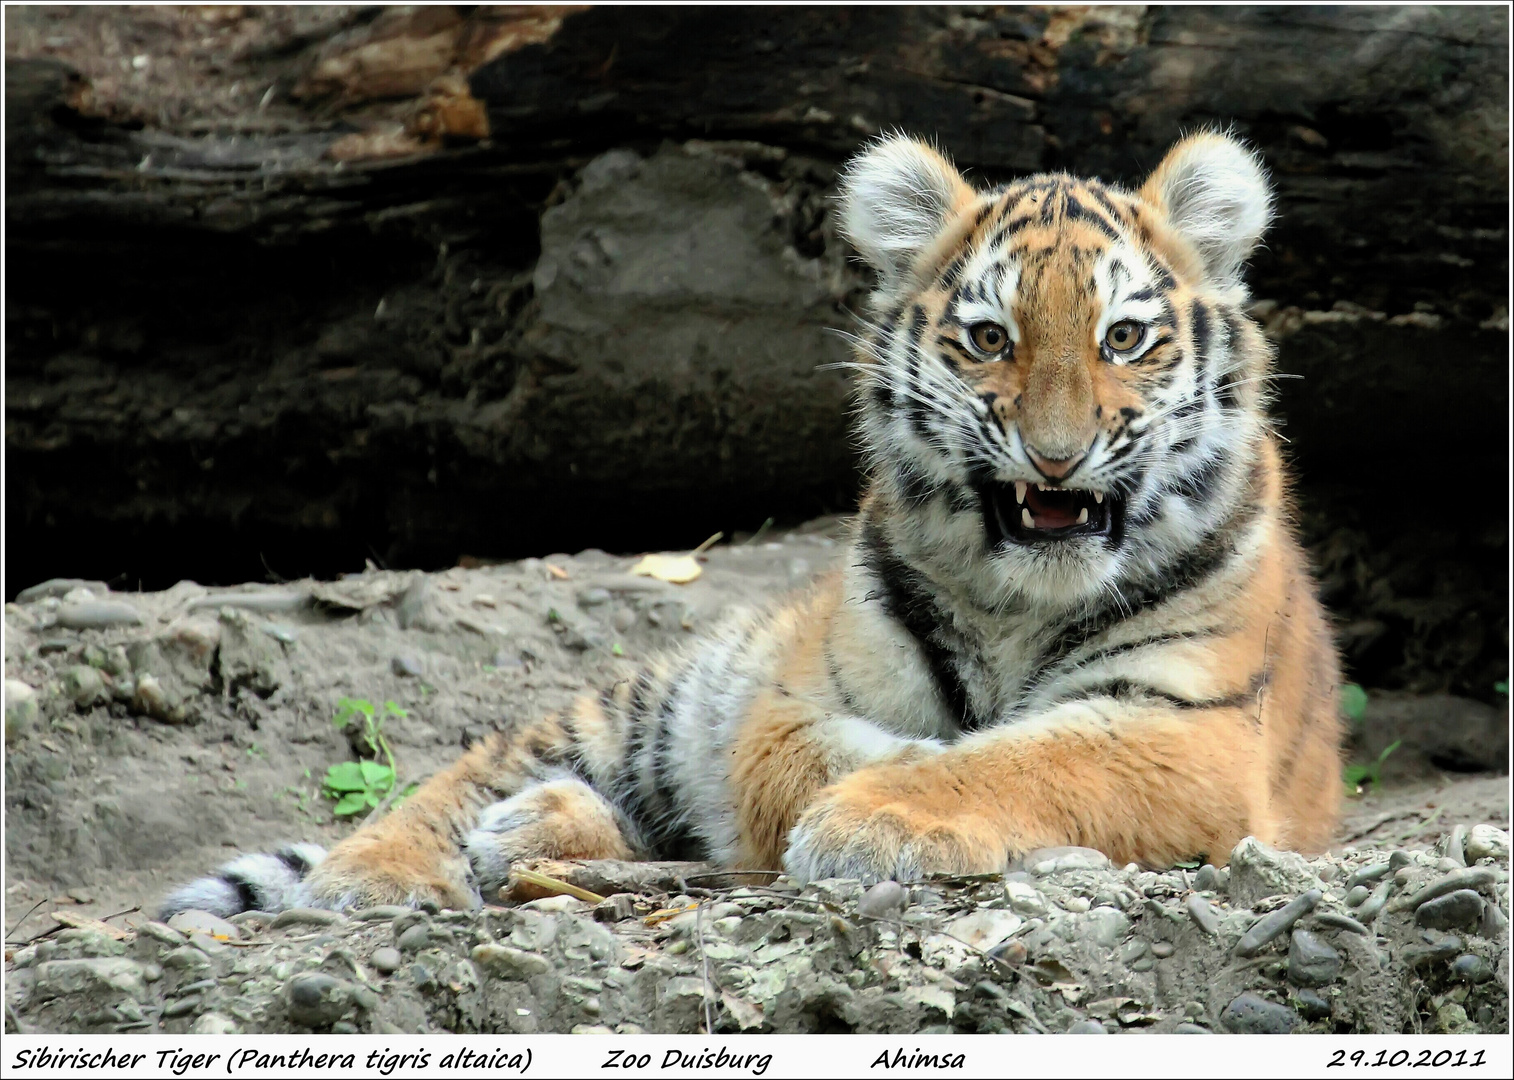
(303, 286)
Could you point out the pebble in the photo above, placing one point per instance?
(97, 615)
(1258, 871)
(1106, 926)
(1162, 949)
(1311, 961)
(1249, 1014)
(1336, 921)
(382, 913)
(1011, 952)
(1087, 1027)
(515, 964)
(1494, 922)
(1310, 1004)
(214, 1023)
(1133, 950)
(1207, 879)
(1025, 899)
(194, 921)
(1357, 895)
(1185, 1028)
(415, 938)
(84, 685)
(1455, 881)
(1460, 908)
(299, 916)
(1076, 904)
(885, 900)
(1045, 861)
(555, 905)
(315, 999)
(984, 928)
(1399, 859)
(623, 619)
(1375, 903)
(277, 600)
(59, 587)
(1471, 968)
(1204, 916)
(594, 597)
(21, 709)
(386, 960)
(406, 666)
(1441, 948)
(1279, 922)
(1453, 846)
(279, 632)
(1484, 841)
(1368, 874)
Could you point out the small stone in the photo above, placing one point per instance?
(1455, 881)
(97, 615)
(1398, 860)
(623, 619)
(1460, 908)
(885, 900)
(1162, 949)
(1207, 879)
(555, 905)
(315, 1000)
(1106, 926)
(984, 928)
(1494, 922)
(1193, 1010)
(1444, 864)
(386, 960)
(1453, 846)
(1311, 1004)
(1485, 841)
(1471, 968)
(615, 908)
(381, 913)
(1133, 950)
(194, 921)
(1186, 1028)
(1368, 874)
(1203, 916)
(1076, 904)
(214, 1023)
(84, 685)
(1012, 952)
(1258, 871)
(1440, 948)
(1279, 922)
(1329, 872)
(1249, 1014)
(1312, 962)
(1045, 861)
(1336, 921)
(1375, 903)
(1087, 1027)
(1025, 899)
(484, 600)
(1357, 895)
(415, 938)
(21, 710)
(406, 666)
(298, 916)
(594, 597)
(513, 964)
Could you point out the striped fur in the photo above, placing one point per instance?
(953, 696)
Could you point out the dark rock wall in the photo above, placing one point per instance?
(292, 288)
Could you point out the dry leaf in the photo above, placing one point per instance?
(677, 569)
(557, 572)
(84, 922)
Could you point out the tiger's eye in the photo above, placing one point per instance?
(1125, 335)
(989, 337)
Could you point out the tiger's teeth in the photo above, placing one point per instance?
(1019, 491)
(1083, 516)
(1098, 497)
(1026, 519)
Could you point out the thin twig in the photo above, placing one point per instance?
(704, 960)
(18, 922)
(1421, 827)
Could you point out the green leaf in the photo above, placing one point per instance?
(351, 803)
(371, 798)
(376, 775)
(394, 710)
(1353, 701)
(346, 776)
(617, 650)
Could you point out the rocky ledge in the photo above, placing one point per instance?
(1369, 940)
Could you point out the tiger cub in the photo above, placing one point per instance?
(1072, 609)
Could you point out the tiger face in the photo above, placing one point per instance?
(1059, 383)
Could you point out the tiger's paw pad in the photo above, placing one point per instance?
(838, 839)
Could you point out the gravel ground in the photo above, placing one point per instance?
(150, 735)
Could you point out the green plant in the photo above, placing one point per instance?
(361, 785)
(1353, 701)
(1368, 775)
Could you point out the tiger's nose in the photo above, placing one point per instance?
(1054, 468)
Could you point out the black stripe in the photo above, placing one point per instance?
(1125, 689)
(670, 831)
(834, 670)
(913, 485)
(914, 408)
(1198, 485)
(1198, 320)
(248, 898)
(1158, 639)
(1078, 211)
(908, 600)
(297, 863)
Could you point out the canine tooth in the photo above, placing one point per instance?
(1083, 516)
(1026, 519)
(1019, 491)
(1098, 497)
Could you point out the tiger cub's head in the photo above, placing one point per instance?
(1058, 382)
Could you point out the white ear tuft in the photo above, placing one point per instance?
(896, 197)
(1216, 197)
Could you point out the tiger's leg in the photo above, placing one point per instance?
(562, 818)
(1140, 783)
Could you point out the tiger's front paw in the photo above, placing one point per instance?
(854, 830)
(393, 864)
(558, 819)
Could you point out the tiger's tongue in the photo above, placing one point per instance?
(1052, 509)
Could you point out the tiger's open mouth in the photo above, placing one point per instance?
(1023, 513)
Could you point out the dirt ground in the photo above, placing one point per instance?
(198, 723)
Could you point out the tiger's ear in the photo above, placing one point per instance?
(896, 197)
(1216, 197)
